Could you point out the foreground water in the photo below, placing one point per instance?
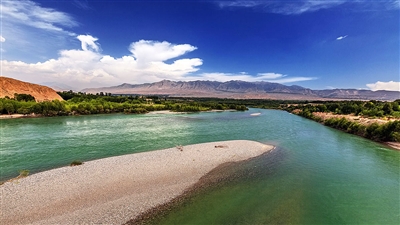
(316, 176)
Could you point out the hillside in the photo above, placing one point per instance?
(10, 86)
(244, 90)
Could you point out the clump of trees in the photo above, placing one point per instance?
(24, 97)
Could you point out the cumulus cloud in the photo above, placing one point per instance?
(88, 43)
(149, 61)
(150, 51)
(341, 37)
(87, 67)
(388, 86)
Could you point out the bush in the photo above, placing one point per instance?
(24, 97)
(76, 163)
(139, 110)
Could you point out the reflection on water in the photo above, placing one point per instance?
(318, 175)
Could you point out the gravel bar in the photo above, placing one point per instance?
(116, 189)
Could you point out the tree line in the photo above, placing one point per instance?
(84, 104)
(358, 108)
(385, 132)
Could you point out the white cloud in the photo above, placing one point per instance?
(150, 51)
(388, 86)
(31, 14)
(271, 75)
(292, 79)
(88, 43)
(341, 37)
(89, 68)
(283, 7)
(303, 6)
(268, 77)
(34, 32)
(2, 39)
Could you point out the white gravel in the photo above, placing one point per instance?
(116, 189)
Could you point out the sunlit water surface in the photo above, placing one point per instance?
(317, 175)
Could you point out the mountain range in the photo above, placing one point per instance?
(243, 90)
(213, 89)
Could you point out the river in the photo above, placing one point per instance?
(317, 175)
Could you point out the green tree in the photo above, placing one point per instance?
(24, 97)
(387, 108)
(9, 107)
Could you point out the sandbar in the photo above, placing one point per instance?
(116, 189)
(16, 116)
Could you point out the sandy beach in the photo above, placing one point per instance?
(116, 189)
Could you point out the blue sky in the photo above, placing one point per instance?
(314, 44)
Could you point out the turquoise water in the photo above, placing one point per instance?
(317, 175)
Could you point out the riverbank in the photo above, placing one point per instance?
(384, 131)
(156, 112)
(16, 116)
(359, 120)
(117, 189)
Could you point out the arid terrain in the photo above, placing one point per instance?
(10, 86)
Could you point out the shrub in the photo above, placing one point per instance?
(76, 163)
(139, 110)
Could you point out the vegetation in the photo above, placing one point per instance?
(389, 131)
(84, 104)
(375, 109)
(24, 97)
(384, 132)
(76, 163)
(23, 173)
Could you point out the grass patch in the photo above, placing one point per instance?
(23, 173)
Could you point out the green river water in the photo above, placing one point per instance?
(317, 175)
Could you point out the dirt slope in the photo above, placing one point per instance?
(10, 86)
